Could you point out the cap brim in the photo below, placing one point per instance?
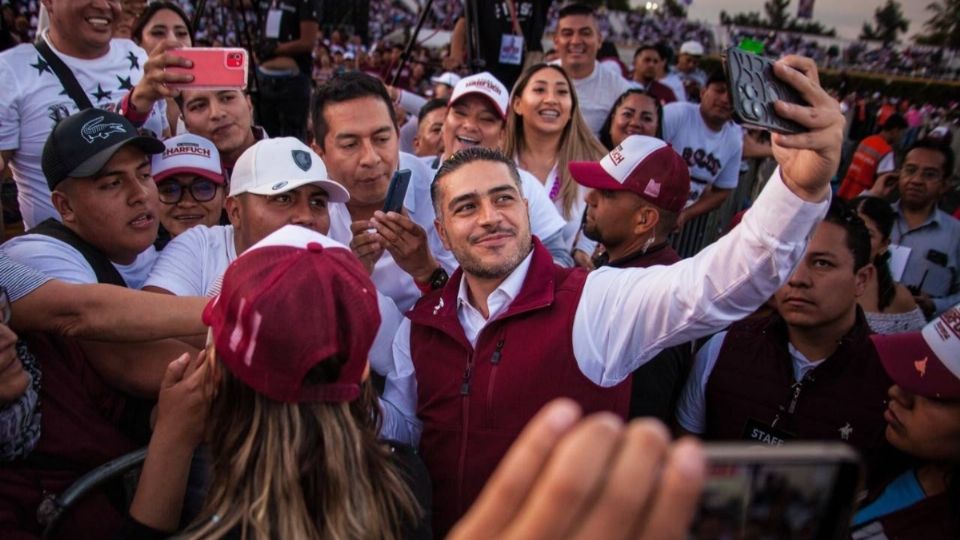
(98, 161)
(590, 174)
(913, 366)
(196, 171)
(490, 100)
(335, 192)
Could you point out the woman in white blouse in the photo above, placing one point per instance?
(545, 132)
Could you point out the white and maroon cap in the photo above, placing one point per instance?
(279, 165)
(644, 165)
(925, 363)
(190, 154)
(484, 84)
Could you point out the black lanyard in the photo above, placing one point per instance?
(790, 404)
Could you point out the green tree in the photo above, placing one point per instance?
(751, 19)
(943, 25)
(889, 23)
(777, 16)
(672, 8)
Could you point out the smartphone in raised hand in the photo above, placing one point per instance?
(397, 191)
(754, 89)
(213, 68)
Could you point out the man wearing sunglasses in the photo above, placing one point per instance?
(190, 182)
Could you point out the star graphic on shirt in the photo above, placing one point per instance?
(102, 94)
(125, 83)
(41, 66)
(134, 61)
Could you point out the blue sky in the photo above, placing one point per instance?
(846, 16)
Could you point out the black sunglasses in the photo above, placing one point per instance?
(171, 191)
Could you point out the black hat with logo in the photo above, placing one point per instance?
(82, 144)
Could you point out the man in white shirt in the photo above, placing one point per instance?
(688, 61)
(98, 171)
(710, 142)
(275, 182)
(33, 99)
(549, 331)
(358, 139)
(576, 41)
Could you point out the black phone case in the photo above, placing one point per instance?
(754, 89)
(397, 191)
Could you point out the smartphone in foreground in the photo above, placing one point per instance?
(754, 89)
(397, 191)
(799, 491)
(213, 68)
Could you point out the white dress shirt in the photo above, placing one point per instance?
(627, 315)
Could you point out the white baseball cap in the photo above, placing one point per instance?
(484, 84)
(189, 154)
(693, 48)
(274, 166)
(448, 78)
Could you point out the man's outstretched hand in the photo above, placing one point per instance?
(808, 160)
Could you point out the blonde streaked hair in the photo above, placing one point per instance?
(577, 142)
(311, 471)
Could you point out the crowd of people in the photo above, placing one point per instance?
(506, 349)
(927, 62)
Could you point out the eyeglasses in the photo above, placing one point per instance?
(6, 310)
(171, 192)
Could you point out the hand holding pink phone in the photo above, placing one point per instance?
(213, 68)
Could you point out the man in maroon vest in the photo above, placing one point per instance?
(510, 331)
(632, 220)
(807, 372)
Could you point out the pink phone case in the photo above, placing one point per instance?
(213, 68)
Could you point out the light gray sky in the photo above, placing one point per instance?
(847, 16)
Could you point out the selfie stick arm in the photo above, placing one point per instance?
(411, 42)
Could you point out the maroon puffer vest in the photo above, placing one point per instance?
(475, 401)
(843, 398)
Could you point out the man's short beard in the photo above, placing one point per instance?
(474, 267)
(592, 234)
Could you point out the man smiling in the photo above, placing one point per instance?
(33, 100)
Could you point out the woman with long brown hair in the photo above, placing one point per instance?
(545, 132)
(292, 424)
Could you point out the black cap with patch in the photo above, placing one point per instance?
(82, 144)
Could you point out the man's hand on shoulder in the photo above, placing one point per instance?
(808, 160)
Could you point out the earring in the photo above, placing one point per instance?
(648, 243)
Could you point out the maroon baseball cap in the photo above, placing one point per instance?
(925, 363)
(644, 165)
(290, 302)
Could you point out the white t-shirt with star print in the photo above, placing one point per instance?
(32, 101)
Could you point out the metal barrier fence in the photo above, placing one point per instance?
(704, 230)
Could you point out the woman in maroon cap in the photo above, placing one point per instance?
(285, 405)
(923, 418)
